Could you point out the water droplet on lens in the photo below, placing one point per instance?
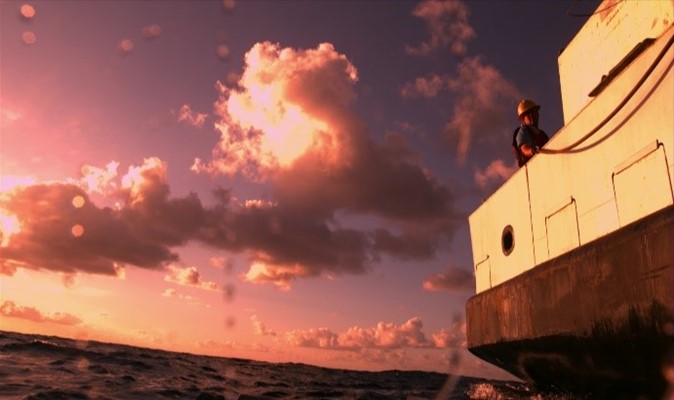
(228, 292)
(222, 51)
(125, 47)
(27, 11)
(229, 5)
(77, 230)
(78, 201)
(152, 31)
(29, 37)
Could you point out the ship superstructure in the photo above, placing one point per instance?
(574, 254)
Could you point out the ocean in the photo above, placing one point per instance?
(39, 367)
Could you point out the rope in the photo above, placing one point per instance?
(618, 107)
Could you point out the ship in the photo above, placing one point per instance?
(573, 255)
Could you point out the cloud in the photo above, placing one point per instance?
(453, 337)
(99, 180)
(451, 280)
(61, 229)
(10, 309)
(260, 328)
(481, 109)
(448, 26)
(189, 117)
(222, 263)
(497, 171)
(288, 122)
(268, 120)
(192, 301)
(411, 245)
(188, 277)
(423, 87)
(57, 226)
(384, 336)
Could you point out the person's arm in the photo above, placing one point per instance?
(528, 150)
(526, 143)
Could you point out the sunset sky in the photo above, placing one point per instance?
(271, 180)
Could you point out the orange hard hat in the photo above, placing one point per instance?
(525, 106)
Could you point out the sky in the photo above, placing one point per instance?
(286, 181)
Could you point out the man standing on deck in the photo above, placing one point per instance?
(528, 138)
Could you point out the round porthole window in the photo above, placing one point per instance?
(507, 240)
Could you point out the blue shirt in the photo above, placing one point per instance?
(525, 136)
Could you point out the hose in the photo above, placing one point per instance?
(618, 107)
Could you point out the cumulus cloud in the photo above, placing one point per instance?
(448, 26)
(384, 336)
(288, 122)
(451, 280)
(455, 336)
(260, 328)
(99, 180)
(10, 309)
(497, 171)
(188, 277)
(189, 117)
(268, 120)
(61, 229)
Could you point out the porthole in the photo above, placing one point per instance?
(507, 240)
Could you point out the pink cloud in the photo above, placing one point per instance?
(260, 328)
(384, 336)
(428, 86)
(57, 226)
(451, 280)
(61, 229)
(448, 27)
(481, 109)
(188, 277)
(187, 116)
(497, 171)
(99, 180)
(10, 309)
(274, 114)
(452, 338)
(288, 122)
